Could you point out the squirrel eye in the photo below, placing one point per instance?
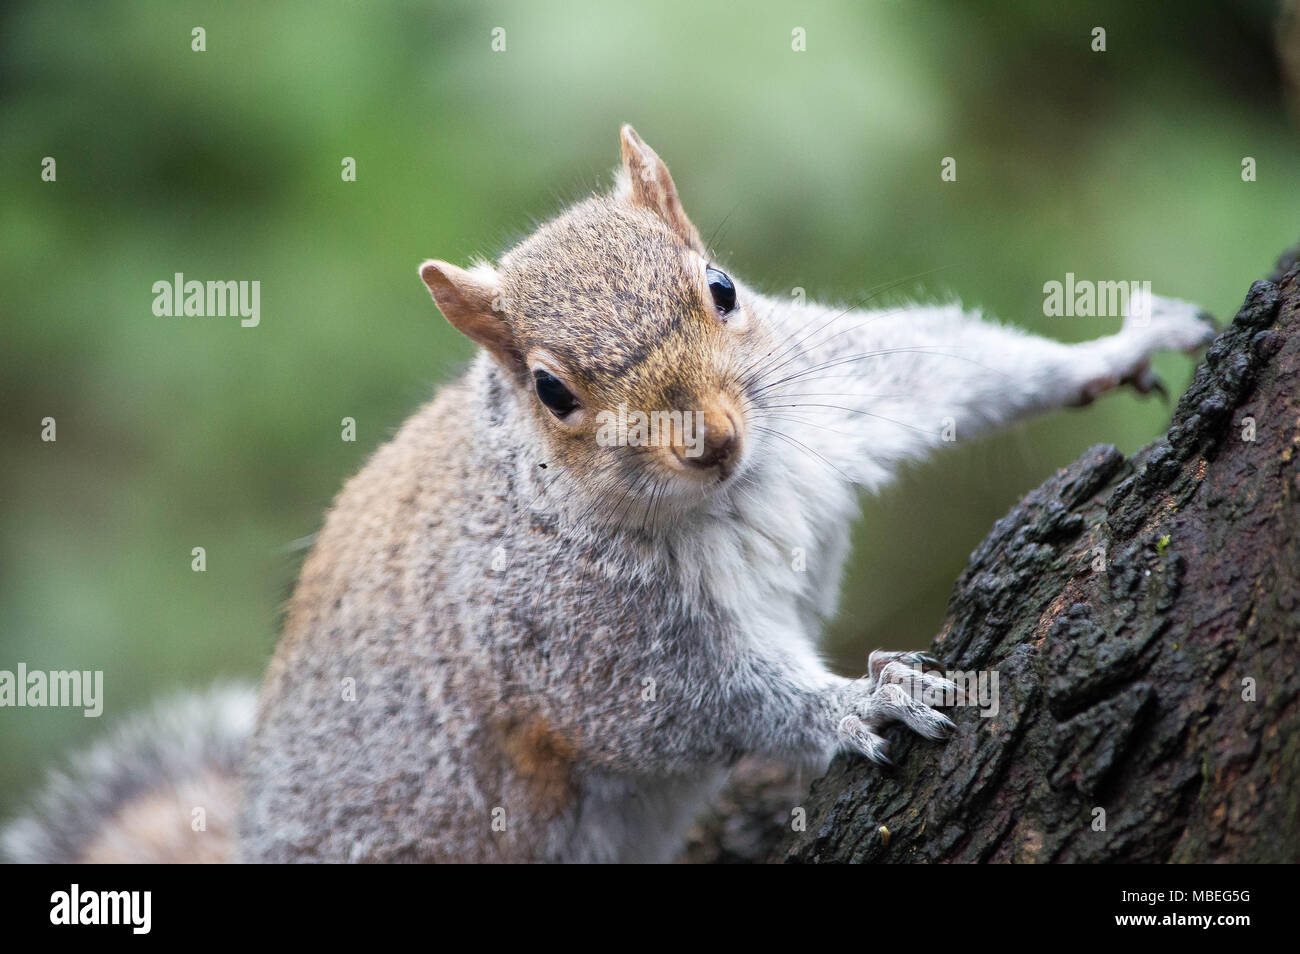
(552, 392)
(722, 290)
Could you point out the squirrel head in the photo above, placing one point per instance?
(629, 348)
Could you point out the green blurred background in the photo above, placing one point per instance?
(824, 164)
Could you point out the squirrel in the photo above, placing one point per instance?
(528, 632)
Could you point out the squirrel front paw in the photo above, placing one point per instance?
(1165, 324)
(1169, 324)
(896, 688)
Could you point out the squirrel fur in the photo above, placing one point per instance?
(513, 643)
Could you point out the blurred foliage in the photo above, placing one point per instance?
(819, 169)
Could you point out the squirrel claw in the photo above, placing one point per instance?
(895, 689)
(1145, 381)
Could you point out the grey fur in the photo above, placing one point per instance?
(512, 644)
(503, 591)
(178, 739)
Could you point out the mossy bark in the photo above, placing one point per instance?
(1143, 617)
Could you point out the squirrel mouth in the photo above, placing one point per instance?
(716, 450)
(709, 468)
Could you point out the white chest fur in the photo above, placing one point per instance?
(771, 555)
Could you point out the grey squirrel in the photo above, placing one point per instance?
(547, 617)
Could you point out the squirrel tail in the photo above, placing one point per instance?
(163, 788)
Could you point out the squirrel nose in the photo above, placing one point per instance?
(719, 445)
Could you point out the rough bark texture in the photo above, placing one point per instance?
(1128, 608)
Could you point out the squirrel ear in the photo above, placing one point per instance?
(644, 181)
(470, 301)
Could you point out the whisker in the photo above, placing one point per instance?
(804, 422)
(858, 410)
(836, 362)
(718, 228)
(800, 444)
(875, 397)
(871, 293)
(847, 359)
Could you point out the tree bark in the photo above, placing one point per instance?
(1143, 619)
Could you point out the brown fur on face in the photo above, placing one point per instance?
(617, 304)
(614, 296)
(611, 298)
